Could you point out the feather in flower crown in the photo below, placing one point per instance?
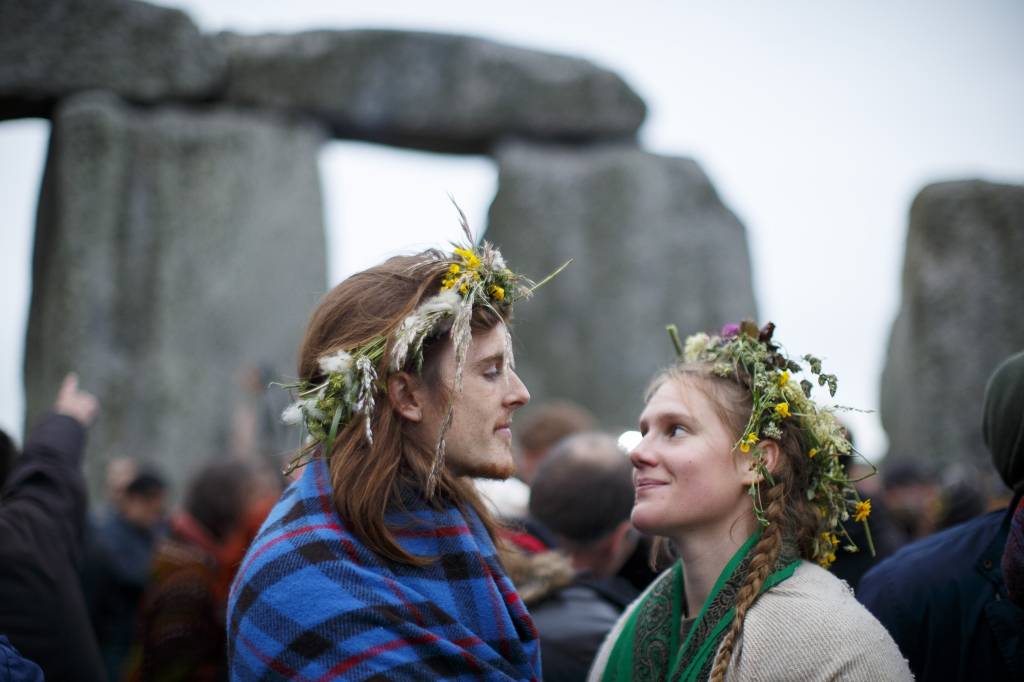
(476, 276)
(777, 397)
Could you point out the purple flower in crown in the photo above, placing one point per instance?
(730, 330)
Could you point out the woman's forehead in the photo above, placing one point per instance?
(677, 395)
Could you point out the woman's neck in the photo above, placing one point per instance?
(705, 553)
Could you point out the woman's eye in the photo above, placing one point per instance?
(676, 430)
(493, 372)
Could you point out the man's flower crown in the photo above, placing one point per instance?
(745, 351)
(476, 276)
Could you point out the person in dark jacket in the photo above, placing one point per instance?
(583, 493)
(119, 556)
(181, 627)
(943, 599)
(42, 519)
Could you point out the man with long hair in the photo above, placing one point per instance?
(379, 562)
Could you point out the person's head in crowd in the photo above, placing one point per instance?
(583, 493)
(450, 387)
(1002, 424)
(960, 499)
(543, 428)
(911, 489)
(218, 497)
(119, 472)
(8, 453)
(143, 501)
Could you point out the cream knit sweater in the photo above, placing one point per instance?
(805, 629)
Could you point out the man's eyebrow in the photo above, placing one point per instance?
(498, 357)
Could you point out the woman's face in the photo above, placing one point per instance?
(686, 475)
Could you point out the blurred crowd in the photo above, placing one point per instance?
(136, 588)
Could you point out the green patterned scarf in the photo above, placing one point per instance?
(649, 648)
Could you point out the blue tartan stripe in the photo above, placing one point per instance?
(310, 602)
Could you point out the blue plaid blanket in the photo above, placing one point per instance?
(310, 602)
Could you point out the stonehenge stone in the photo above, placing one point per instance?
(652, 244)
(52, 48)
(428, 90)
(176, 251)
(961, 314)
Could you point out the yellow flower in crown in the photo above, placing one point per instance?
(862, 511)
(782, 409)
(497, 293)
(812, 452)
(470, 259)
(751, 439)
(783, 378)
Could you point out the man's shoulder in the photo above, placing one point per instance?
(936, 558)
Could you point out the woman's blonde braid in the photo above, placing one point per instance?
(763, 557)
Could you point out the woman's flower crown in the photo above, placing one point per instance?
(745, 350)
(476, 276)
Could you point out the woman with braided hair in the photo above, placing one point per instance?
(739, 471)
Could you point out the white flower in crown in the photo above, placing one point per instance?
(695, 345)
(444, 303)
(292, 414)
(336, 363)
(420, 322)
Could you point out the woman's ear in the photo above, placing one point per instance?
(769, 452)
(406, 396)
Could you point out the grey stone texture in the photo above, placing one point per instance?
(52, 48)
(653, 244)
(175, 249)
(961, 314)
(428, 90)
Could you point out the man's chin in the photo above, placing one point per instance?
(498, 469)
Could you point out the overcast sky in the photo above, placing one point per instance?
(818, 122)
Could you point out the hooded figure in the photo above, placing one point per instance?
(1003, 429)
(949, 600)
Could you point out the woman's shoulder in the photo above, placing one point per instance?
(812, 623)
(820, 602)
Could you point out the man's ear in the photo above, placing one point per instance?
(770, 453)
(406, 396)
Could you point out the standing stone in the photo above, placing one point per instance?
(962, 313)
(175, 252)
(52, 48)
(652, 244)
(430, 90)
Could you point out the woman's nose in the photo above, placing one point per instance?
(640, 455)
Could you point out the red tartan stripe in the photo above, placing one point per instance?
(440, 532)
(496, 605)
(327, 507)
(280, 538)
(321, 488)
(277, 666)
(352, 661)
(416, 613)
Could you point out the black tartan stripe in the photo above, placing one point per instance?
(452, 567)
(310, 645)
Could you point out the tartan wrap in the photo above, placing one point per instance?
(311, 602)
